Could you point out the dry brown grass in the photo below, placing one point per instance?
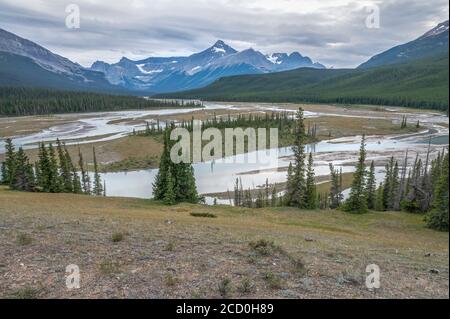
(69, 229)
(12, 126)
(122, 152)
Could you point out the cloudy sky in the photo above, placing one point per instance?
(333, 32)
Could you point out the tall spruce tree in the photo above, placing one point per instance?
(65, 169)
(357, 201)
(335, 196)
(387, 189)
(371, 187)
(85, 179)
(98, 187)
(160, 184)
(10, 162)
(311, 192)
(379, 202)
(53, 179)
(23, 177)
(439, 217)
(3, 173)
(296, 180)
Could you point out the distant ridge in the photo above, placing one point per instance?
(25, 63)
(431, 43)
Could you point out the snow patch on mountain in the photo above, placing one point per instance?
(199, 69)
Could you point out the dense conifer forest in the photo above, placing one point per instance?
(31, 101)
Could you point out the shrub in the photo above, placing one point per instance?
(203, 215)
(171, 280)
(263, 247)
(246, 286)
(273, 281)
(26, 293)
(109, 267)
(225, 287)
(24, 239)
(117, 237)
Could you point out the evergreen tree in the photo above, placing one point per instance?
(439, 217)
(296, 180)
(184, 181)
(388, 184)
(259, 200)
(23, 177)
(76, 183)
(379, 201)
(85, 179)
(335, 196)
(311, 193)
(395, 187)
(10, 163)
(274, 197)
(357, 201)
(413, 202)
(160, 184)
(53, 180)
(181, 174)
(43, 169)
(3, 174)
(289, 185)
(98, 188)
(371, 187)
(65, 168)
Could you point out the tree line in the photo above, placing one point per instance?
(421, 189)
(301, 190)
(17, 101)
(53, 172)
(284, 121)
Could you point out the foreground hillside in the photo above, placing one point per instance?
(422, 83)
(128, 248)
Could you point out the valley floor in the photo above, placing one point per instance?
(130, 248)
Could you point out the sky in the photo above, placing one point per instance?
(332, 32)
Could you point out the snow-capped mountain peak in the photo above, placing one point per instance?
(439, 29)
(221, 48)
(199, 69)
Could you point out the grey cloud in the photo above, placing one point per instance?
(332, 34)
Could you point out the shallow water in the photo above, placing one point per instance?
(97, 127)
(221, 175)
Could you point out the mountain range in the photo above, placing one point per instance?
(25, 63)
(408, 74)
(173, 74)
(413, 74)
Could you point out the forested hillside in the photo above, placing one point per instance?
(422, 84)
(28, 101)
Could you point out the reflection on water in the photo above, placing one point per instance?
(220, 176)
